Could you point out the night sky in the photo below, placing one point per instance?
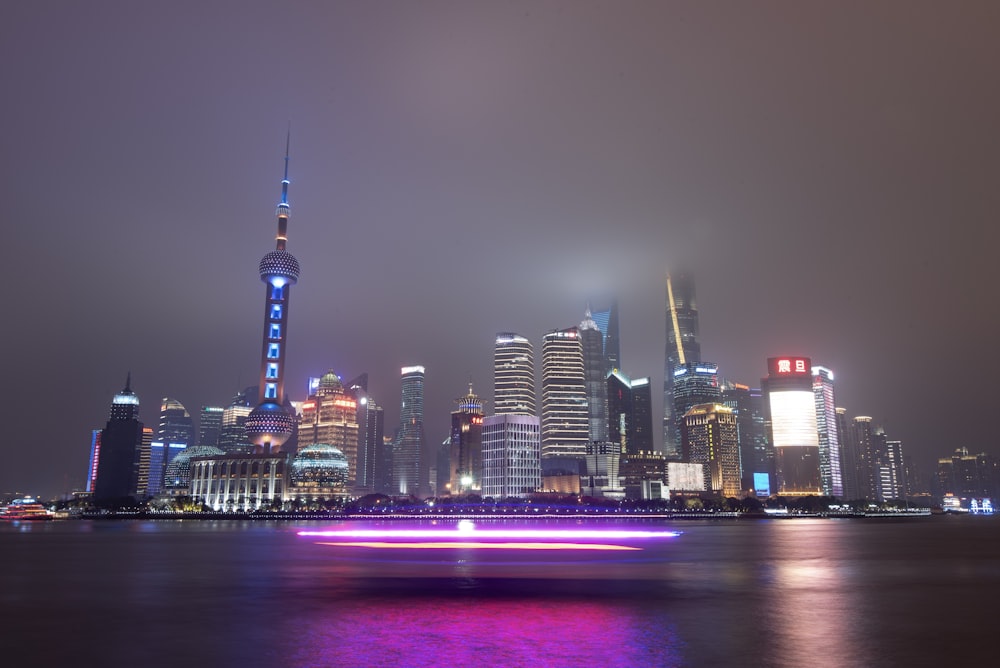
(830, 174)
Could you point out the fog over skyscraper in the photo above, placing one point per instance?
(682, 347)
(607, 322)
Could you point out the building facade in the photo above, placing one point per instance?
(513, 375)
(682, 347)
(512, 450)
(565, 418)
(830, 468)
(465, 447)
(710, 437)
(411, 465)
(794, 433)
(120, 449)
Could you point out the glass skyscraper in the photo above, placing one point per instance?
(513, 375)
(411, 468)
(595, 377)
(829, 438)
(682, 347)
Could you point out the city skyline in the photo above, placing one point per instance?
(473, 170)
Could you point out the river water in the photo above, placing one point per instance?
(802, 592)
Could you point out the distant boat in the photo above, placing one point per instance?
(25, 510)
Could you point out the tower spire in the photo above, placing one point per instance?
(128, 381)
(283, 208)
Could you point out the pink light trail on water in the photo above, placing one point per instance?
(482, 545)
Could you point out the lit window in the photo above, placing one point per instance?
(273, 351)
(272, 370)
(271, 391)
(275, 331)
(277, 292)
(275, 311)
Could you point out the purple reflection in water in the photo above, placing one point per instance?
(430, 630)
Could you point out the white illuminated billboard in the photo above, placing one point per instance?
(793, 418)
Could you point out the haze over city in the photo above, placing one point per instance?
(826, 172)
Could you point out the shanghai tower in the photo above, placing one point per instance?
(682, 347)
(269, 425)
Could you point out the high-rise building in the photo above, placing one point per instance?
(642, 472)
(233, 435)
(411, 468)
(710, 437)
(465, 447)
(161, 455)
(607, 322)
(175, 424)
(210, 426)
(595, 377)
(271, 423)
(371, 428)
(682, 347)
(830, 470)
(513, 375)
(964, 474)
(866, 446)
(511, 455)
(565, 418)
(892, 472)
(849, 458)
(793, 425)
(120, 443)
(630, 413)
(737, 397)
(329, 417)
(145, 457)
(694, 383)
(602, 468)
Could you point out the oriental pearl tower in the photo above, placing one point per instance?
(269, 425)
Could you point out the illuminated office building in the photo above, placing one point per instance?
(465, 448)
(411, 468)
(233, 435)
(710, 437)
(161, 455)
(330, 417)
(831, 479)
(175, 424)
(371, 443)
(143, 466)
(565, 419)
(210, 426)
(892, 472)
(630, 414)
(682, 348)
(511, 456)
(693, 383)
(795, 436)
(120, 444)
(513, 375)
(865, 441)
(595, 377)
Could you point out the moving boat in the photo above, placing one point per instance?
(25, 510)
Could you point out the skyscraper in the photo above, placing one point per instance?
(95, 458)
(709, 433)
(849, 457)
(793, 425)
(118, 464)
(866, 457)
(513, 375)
(565, 419)
(511, 456)
(607, 322)
(371, 427)
(694, 383)
(329, 417)
(682, 347)
(892, 473)
(829, 438)
(210, 426)
(595, 377)
(466, 447)
(411, 470)
(270, 424)
(233, 434)
(630, 414)
(175, 424)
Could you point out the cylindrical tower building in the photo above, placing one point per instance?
(269, 425)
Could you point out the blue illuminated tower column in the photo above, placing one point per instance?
(269, 425)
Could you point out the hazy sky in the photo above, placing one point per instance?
(830, 173)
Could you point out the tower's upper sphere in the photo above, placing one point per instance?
(279, 264)
(269, 425)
